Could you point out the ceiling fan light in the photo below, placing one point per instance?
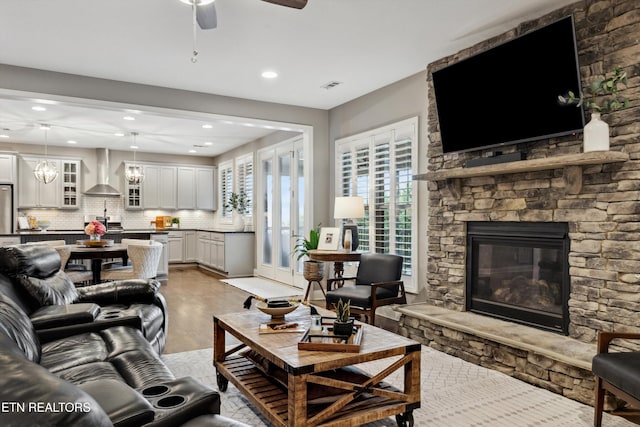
(134, 174)
(197, 2)
(45, 172)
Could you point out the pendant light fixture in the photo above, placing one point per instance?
(45, 171)
(134, 174)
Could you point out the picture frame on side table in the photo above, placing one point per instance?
(329, 239)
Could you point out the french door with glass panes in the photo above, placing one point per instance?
(281, 210)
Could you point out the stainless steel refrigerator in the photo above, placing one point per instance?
(6, 209)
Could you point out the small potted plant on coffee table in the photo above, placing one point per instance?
(343, 325)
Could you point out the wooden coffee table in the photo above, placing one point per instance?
(356, 399)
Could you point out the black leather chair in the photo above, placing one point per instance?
(616, 372)
(377, 283)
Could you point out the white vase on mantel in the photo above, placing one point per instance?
(237, 221)
(596, 134)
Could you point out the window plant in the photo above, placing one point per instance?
(237, 202)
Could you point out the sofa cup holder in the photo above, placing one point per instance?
(112, 316)
(171, 401)
(155, 391)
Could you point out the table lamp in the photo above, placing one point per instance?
(349, 208)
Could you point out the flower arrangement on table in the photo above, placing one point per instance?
(95, 229)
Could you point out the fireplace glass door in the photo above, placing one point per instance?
(519, 272)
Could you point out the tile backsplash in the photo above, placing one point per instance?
(73, 219)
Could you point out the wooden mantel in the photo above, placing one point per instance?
(570, 162)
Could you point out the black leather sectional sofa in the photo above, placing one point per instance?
(88, 356)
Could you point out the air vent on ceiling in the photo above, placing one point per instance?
(330, 85)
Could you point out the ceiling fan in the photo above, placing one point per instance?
(204, 13)
(205, 10)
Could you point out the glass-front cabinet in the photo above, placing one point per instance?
(62, 193)
(70, 184)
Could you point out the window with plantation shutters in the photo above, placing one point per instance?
(244, 167)
(226, 188)
(378, 166)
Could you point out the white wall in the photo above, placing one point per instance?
(81, 87)
(400, 100)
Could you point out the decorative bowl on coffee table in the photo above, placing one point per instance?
(276, 312)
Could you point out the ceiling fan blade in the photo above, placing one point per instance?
(296, 4)
(206, 16)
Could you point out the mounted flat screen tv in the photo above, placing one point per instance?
(508, 94)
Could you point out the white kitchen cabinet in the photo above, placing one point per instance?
(176, 246)
(7, 169)
(206, 189)
(172, 187)
(70, 181)
(33, 193)
(163, 266)
(186, 187)
(204, 248)
(159, 187)
(190, 246)
(217, 251)
(231, 254)
(184, 247)
(132, 191)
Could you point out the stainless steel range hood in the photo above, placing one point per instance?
(102, 188)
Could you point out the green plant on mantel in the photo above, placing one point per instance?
(603, 96)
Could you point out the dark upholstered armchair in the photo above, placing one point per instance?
(618, 373)
(377, 283)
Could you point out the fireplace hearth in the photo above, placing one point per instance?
(519, 271)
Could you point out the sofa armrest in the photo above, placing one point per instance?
(46, 335)
(120, 292)
(54, 316)
(124, 406)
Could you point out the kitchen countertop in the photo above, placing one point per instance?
(127, 231)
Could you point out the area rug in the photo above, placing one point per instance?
(455, 393)
(264, 288)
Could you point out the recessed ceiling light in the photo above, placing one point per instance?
(72, 142)
(192, 151)
(130, 118)
(269, 74)
(45, 127)
(119, 134)
(38, 108)
(207, 126)
(208, 143)
(4, 136)
(249, 125)
(134, 147)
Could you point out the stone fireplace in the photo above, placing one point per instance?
(594, 197)
(519, 271)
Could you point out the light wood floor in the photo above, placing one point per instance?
(194, 296)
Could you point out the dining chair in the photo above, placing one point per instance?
(144, 263)
(117, 265)
(377, 283)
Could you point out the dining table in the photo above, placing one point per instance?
(97, 254)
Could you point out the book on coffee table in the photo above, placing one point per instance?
(281, 327)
